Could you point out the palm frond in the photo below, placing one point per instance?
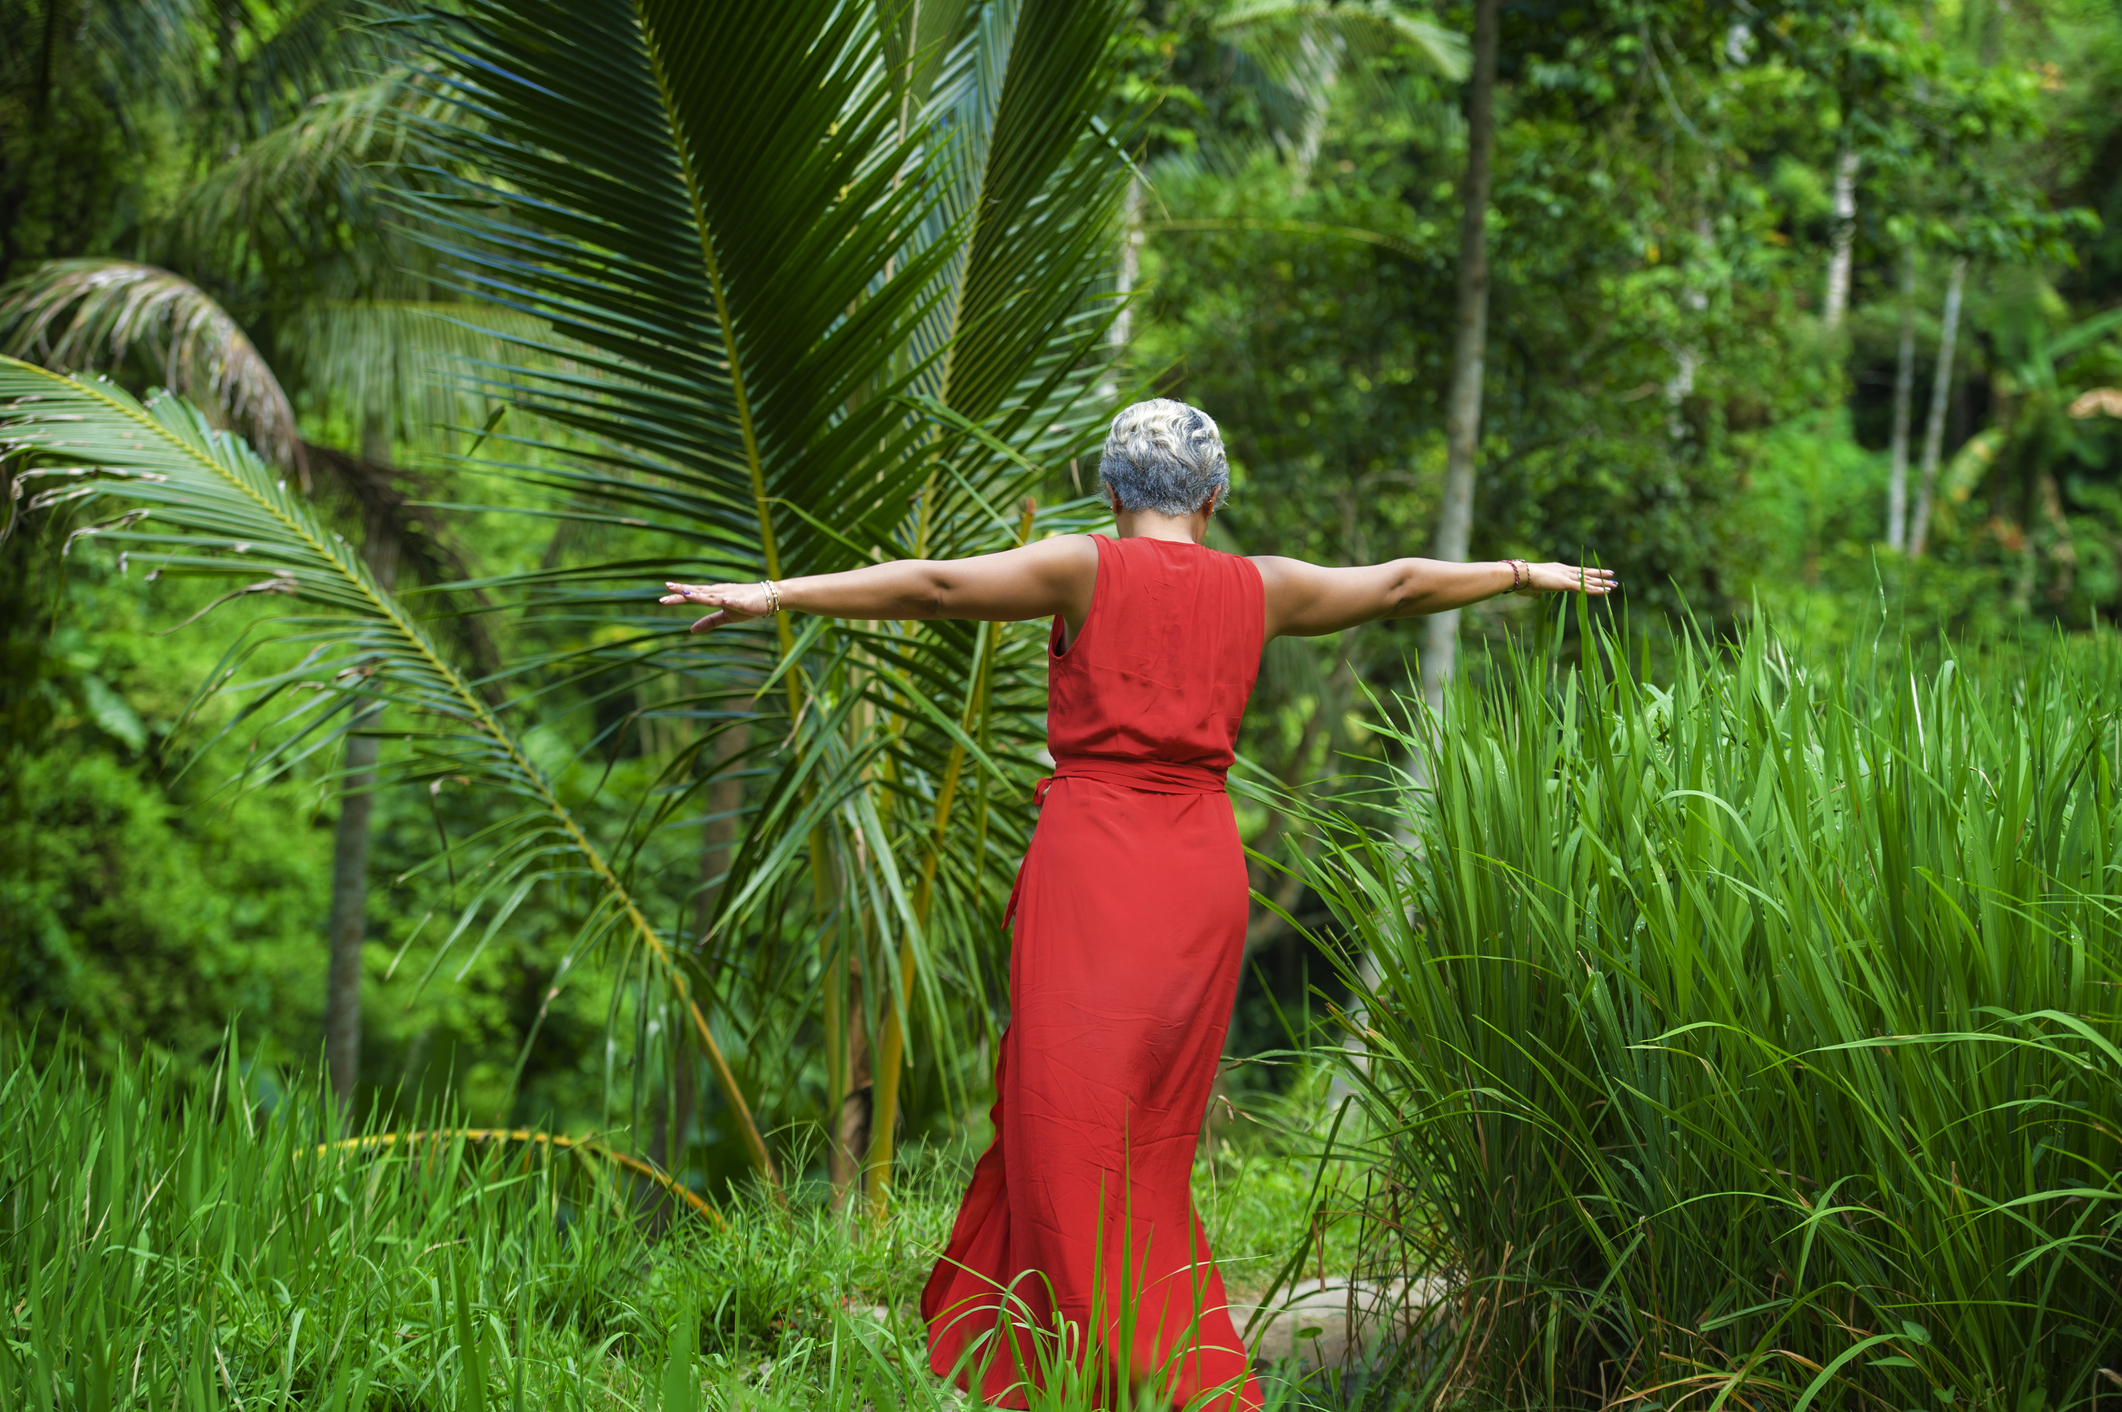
(342, 150)
(92, 313)
(321, 46)
(1305, 50)
(757, 304)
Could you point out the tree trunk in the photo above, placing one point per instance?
(1462, 421)
(349, 916)
(1904, 395)
(1838, 262)
(1125, 278)
(1687, 357)
(1941, 388)
(342, 1000)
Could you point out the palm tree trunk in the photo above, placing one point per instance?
(1904, 395)
(1941, 387)
(349, 916)
(1838, 261)
(1462, 419)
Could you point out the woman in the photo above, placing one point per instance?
(1130, 906)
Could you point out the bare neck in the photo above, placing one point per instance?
(1155, 524)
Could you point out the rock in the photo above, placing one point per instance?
(1312, 1319)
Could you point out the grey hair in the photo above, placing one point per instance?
(1166, 456)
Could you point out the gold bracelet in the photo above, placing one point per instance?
(773, 594)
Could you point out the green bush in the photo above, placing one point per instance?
(1754, 1042)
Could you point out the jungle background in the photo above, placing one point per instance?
(1797, 315)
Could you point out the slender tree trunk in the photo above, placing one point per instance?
(1125, 278)
(1462, 421)
(349, 916)
(342, 1003)
(1687, 357)
(1941, 388)
(1838, 261)
(1904, 395)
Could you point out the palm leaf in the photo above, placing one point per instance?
(90, 313)
(340, 156)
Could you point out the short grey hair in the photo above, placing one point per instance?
(1166, 456)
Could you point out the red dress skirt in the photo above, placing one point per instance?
(1129, 916)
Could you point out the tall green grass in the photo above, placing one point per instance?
(191, 1244)
(1752, 1042)
(172, 1241)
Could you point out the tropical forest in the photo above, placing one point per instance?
(433, 977)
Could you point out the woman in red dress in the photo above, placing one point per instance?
(1130, 906)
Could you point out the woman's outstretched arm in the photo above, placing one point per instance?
(1304, 600)
(1038, 581)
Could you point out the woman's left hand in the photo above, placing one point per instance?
(733, 602)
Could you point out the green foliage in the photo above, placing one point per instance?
(1756, 1039)
(134, 916)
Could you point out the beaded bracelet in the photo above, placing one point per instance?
(1521, 575)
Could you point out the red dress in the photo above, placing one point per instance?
(1130, 916)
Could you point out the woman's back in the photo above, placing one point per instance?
(1160, 670)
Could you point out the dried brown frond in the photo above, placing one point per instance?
(88, 314)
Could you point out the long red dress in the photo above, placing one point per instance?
(1130, 926)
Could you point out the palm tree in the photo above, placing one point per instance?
(1305, 50)
(2049, 389)
(816, 287)
(300, 225)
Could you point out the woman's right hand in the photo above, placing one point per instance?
(1570, 578)
(733, 602)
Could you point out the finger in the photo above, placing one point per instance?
(711, 621)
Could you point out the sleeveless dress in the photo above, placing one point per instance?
(1129, 911)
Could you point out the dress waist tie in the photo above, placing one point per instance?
(1148, 776)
